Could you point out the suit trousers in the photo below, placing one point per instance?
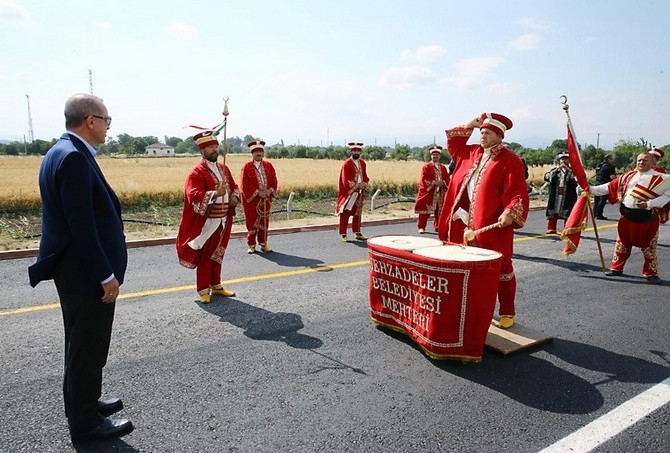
(88, 330)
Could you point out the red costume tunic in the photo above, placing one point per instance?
(498, 185)
(431, 193)
(349, 197)
(201, 204)
(256, 209)
(638, 227)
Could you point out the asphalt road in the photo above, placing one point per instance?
(294, 364)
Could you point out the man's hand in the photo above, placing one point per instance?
(474, 123)
(111, 291)
(505, 219)
(221, 189)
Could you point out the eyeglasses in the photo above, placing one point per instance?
(106, 119)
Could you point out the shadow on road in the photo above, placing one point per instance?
(116, 445)
(283, 259)
(537, 382)
(261, 324)
(565, 264)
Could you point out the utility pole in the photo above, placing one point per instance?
(31, 136)
(90, 81)
(598, 141)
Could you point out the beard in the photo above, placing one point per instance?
(355, 156)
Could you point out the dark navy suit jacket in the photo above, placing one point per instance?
(82, 241)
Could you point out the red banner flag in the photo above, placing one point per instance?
(576, 160)
(579, 216)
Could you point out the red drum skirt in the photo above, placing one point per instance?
(441, 295)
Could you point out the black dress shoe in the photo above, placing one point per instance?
(105, 430)
(601, 217)
(654, 279)
(611, 273)
(109, 406)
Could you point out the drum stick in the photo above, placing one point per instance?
(469, 234)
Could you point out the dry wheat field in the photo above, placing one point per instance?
(165, 174)
(138, 176)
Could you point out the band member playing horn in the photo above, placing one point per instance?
(351, 192)
(488, 187)
(432, 187)
(210, 197)
(644, 199)
(258, 180)
(562, 192)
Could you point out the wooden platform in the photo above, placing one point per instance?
(516, 338)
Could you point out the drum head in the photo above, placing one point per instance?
(458, 253)
(407, 243)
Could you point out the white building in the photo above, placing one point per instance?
(159, 149)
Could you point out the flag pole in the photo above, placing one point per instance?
(566, 108)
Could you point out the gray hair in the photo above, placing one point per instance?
(78, 107)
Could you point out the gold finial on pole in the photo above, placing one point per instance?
(225, 128)
(225, 107)
(566, 107)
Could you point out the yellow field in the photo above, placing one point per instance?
(167, 174)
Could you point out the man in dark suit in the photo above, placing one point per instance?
(83, 250)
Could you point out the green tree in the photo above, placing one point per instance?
(625, 153)
(172, 141)
(11, 149)
(187, 146)
(401, 152)
(374, 153)
(299, 151)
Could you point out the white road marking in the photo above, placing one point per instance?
(614, 422)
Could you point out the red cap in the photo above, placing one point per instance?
(435, 149)
(256, 144)
(496, 122)
(205, 139)
(355, 146)
(657, 153)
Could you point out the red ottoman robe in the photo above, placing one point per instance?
(500, 185)
(349, 179)
(426, 202)
(200, 187)
(253, 204)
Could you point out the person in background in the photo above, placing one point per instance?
(258, 181)
(83, 250)
(432, 186)
(656, 154)
(351, 192)
(644, 197)
(605, 172)
(488, 187)
(562, 192)
(210, 197)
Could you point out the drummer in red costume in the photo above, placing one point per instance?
(210, 197)
(656, 154)
(258, 180)
(351, 192)
(432, 186)
(644, 197)
(487, 187)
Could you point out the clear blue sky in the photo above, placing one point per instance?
(321, 71)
